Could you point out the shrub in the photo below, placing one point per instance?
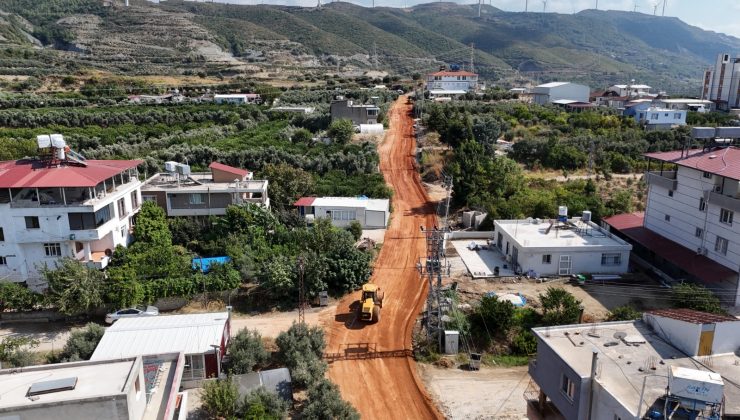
(623, 313)
(301, 349)
(220, 398)
(355, 228)
(74, 288)
(524, 343)
(699, 298)
(262, 404)
(341, 131)
(559, 307)
(246, 351)
(492, 317)
(325, 402)
(17, 297)
(81, 343)
(14, 350)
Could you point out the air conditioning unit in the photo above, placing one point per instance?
(717, 188)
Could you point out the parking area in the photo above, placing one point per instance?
(481, 259)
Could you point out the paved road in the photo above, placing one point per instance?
(389, 387)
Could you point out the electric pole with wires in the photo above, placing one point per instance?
(434, 268)
(301, 292)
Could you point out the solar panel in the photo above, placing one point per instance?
(47, 387)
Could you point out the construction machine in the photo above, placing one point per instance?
(370, 303)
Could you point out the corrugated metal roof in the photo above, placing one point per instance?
(692, 316)
(229, 169)
(34, 174)
(724, 162)
(190, 334)
(304, 201)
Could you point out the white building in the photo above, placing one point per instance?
(624, 370)
(63, 206)
(654, 118)
(697, 105)
(551, 248)
(631, 91)
(722, 83)
(182, 193)
(451, 83)
(550, 92)
(371, 213)
(238, 98)
(202, 338)
(135, 388)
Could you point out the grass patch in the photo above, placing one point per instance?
(504, 360)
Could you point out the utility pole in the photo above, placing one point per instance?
(434, 268)
(544, 6)
(664, 3)
(479, 6)
(301, 291)
(634, 9)
(597, 4)
(472, 56)
(319, 6)
(526, 5)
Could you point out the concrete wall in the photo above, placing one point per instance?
(570, 91)
(581, 262)
(606, 407)
(548, 371)
(683, 335)
(212, 200)
(726, 337)
(358, 114)
(112, 408)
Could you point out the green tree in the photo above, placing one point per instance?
(341, 131)
(325, 402)
(524, 343)
(355, 228)
(693, 296)
(623, 313)
(559, 307)
(14, 350)
(301, 349)
(151, 225)
(17, 297)
(492, 317)
(246, 351)
(301, 135)
(262, 404)
(74, 288)
(287, 184)
(220, 398)
(81, 344)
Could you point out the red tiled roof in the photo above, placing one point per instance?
(304, 201)
(34, 174)
(229, 169)
(692, 316)
(724, 162)
(699, 266)
(453, 73)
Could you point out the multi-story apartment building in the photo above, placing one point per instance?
(182, 193)
(60, 206)
(451, 82)
(721, 84)
(691, 226)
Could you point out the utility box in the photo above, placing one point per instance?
(695, 387)
(324, 298)
(474, 361)
(451, 341)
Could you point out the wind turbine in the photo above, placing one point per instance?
(544, 6)
(664, 3)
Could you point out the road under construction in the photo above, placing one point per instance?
(371, 362)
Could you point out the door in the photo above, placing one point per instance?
(375, 218)
(705, 343)
(564, 265)
(499, 239)
(515, 257)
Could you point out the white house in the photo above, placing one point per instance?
(630, 90)
(371, 213)
(238, 98)
(451, 82)
(554, 248)
(697, 105)
(655, 118)
(696, 333)
(61, 205)
(550, 92)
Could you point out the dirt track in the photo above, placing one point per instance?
(389, 387)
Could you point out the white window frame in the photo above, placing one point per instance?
(611, 259)
(3, 260)
(189, 373)
(53, 249)
(546, 258)
(720, 245)
(193, 201)
(121, 207)
(726, 216)
(343, 215)
(699, 232)
(567, 387)
(702, 204)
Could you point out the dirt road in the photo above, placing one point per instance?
(389, 387)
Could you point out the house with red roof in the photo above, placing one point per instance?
(454, 82)
(181, 192)
(62, 205)
(690, 229)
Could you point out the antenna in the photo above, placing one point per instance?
(479, 6)
(544, 6)
(634, 9)
(655, 8)
(472, 56)
(597, 4)
(526, 5)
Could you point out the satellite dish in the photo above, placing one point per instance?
(619, 335)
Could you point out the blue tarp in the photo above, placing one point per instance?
(204, 264)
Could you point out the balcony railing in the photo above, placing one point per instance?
(665, 179)
(724, 201)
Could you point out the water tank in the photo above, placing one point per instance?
(695, 386)
(57, 140)
(586, 217)
(170, 166)
(728, 132)
(702, 132)
(43, 141)
(60, 153)
(562, 211)
(183, 169)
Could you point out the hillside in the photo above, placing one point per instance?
(178, 37)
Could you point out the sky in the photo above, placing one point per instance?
(715, 15)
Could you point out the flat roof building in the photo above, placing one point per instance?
(133, 388)
(202, 338)
(621, 370)
(554, 248)
(550, 92)
(237, 98)
(203, 193)
(359, 114)
(371, 213)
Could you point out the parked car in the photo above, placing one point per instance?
(131, 313)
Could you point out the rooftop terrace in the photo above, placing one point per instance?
(547, 234)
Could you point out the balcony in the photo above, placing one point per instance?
(724, 201)
(665, 179)
(69, 197)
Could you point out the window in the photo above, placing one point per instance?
(103, 215)
(134, 200)
(725, 216)
(702, 204)
(123, 231)
(53, 249)
(666, 114)
(149, 198)
(194, 367)
(121, 208)
(32, 222)
(667, 217)
(653, 116)
(699, 233)
(372, 112)
(568, 387)
(546, 259)
(707, 175)
(343, 215)
(721, 245)
(137, 385)
(677, 116)
(613, 258)
(2, 235)
(196, 198)
(3, 261)
(670, 193)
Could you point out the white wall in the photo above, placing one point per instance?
(320, 211)
(582, 261)
(571, 91)
(683, 335)
(606, 407)
(726, 337)
(665, 117)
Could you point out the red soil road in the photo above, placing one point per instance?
(389, 387)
